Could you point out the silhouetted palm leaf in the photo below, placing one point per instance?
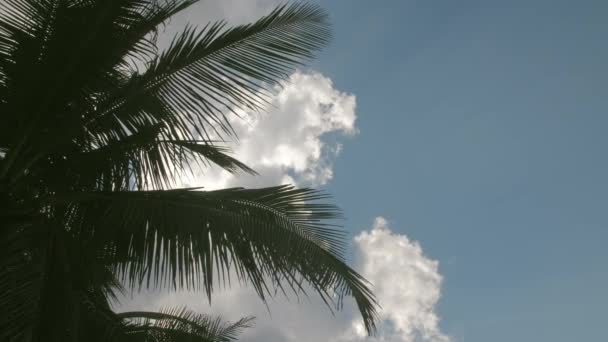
(180, 325)
(174, 238)
(96, 124)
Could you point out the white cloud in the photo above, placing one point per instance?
(286, 143)
(406, 283)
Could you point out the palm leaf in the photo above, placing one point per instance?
(145, 160)
(205, 74)
(270, 237)
(141, 26)
(91, 112)
(180, 324)
(20, 278)
(67, 70)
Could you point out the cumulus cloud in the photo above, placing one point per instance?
(286, 143)
(406, 282)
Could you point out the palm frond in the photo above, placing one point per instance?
(205, 74)
(20, 279)
(67, 70)
(95, 122)
(219, 155)
(142, 24)
(145, 160)
(181, 324)
(183, 238)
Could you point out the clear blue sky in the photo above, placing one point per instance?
(483, 135)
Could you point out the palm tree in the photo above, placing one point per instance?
(97, 129)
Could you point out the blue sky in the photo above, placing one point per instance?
(483, 136)
(477, 129)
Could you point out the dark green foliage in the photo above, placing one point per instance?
(97, 128)
(179, 325)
